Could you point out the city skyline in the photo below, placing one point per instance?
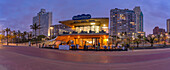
(21, 12)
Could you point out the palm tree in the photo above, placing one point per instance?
(19, 35)
(128, 40)
(150, 40)
(7, 30)
(137, 41)
(29, 35)
(164, 39)
(140, 37)
(35, 27)
(2, 37)
(23, 36)
(15, 36)
(159, 36)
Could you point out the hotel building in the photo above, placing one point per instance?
(158, 31)
(122, 21)
(168, 25)
(44, 19)
(139, 21)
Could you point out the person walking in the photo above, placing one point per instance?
(84, 47)
(43, 45)
(108, 47)
(123, 48)
(96, 47)
(127, 47)
(105, 47)
(29, 44)
(77, 46)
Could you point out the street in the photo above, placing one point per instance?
(31, 58)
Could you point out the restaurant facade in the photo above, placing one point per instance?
(85, 30)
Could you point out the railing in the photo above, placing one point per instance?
(83, 32)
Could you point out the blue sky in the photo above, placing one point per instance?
(17, 14)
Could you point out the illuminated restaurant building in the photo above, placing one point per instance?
(86, 30)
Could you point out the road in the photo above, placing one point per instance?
(31, 58)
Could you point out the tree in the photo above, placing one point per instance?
(23, 36)
(53, 37)
(35, 27)
(128, 40)
(19, 35)
(140, 37)
(15, 36)
(7, 30)
(159, 36)
(29, 34)
(137, 41)
(1, 37)
(41, 36)
(150, 40)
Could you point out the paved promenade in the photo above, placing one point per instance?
(31, 58)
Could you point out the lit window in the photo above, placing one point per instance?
(122, 16)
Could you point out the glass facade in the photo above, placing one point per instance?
(88, 41)
(87, 29)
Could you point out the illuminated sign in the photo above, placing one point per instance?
(80, 17)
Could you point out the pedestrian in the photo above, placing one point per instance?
(96, 47)
(77, 46)
(43, 45)
(84, 47)
(53, 46)
(72, 46)
(29, 44)
(127, 47)
(39, 45)
(112, 46)
(93, 46)
(108, 47)
(118, 46)
(123, 48)
(105, 47)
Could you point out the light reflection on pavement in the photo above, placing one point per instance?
(30, 58)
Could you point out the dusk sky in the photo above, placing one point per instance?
(18, 14)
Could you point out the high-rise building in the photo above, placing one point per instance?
(158, 31)
(139, 19)
(168, 25)
(122, 21)
(44, 19)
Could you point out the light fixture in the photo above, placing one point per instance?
(90, 42)
(51, 27)
(104, 27)
(93, 23)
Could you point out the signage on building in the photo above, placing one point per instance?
(80, 17)
(64, 47)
